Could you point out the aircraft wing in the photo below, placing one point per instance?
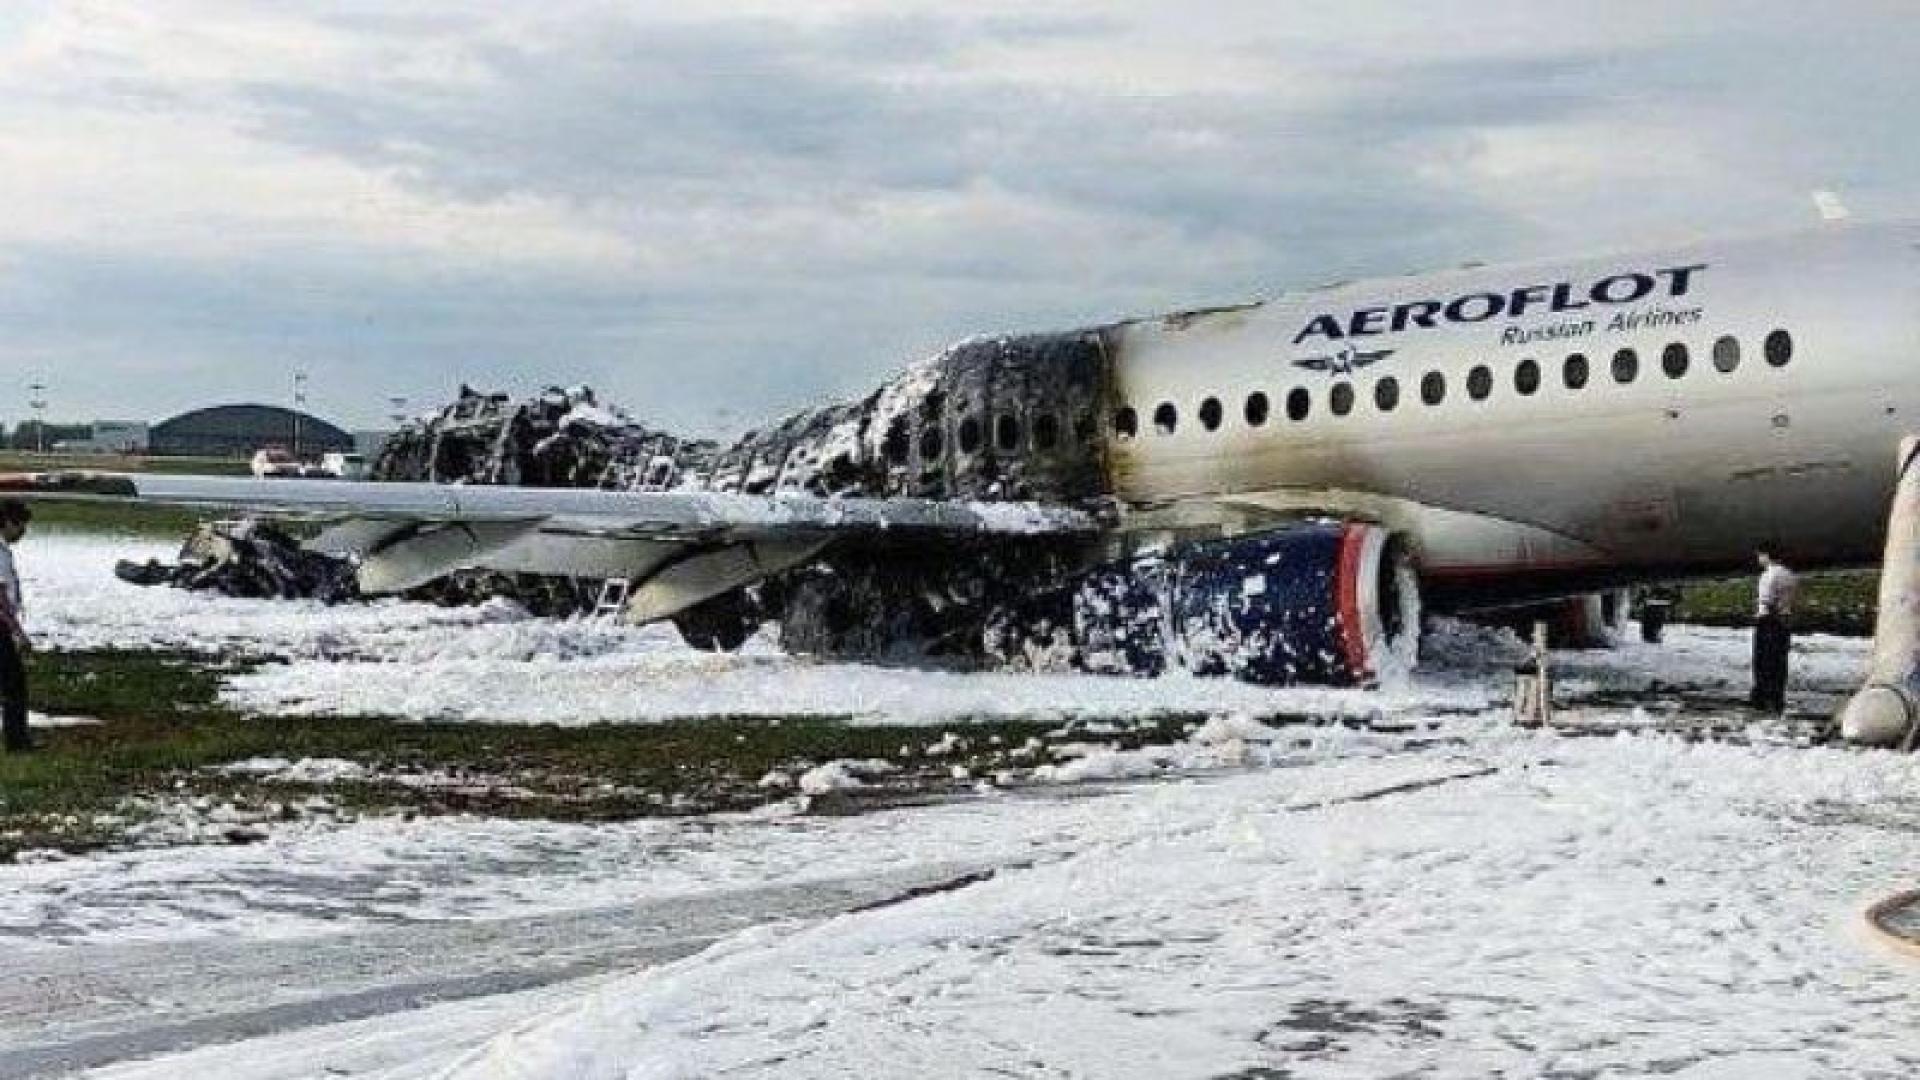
(678, 548)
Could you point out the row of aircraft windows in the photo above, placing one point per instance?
(1575, 373)
(1046, 431)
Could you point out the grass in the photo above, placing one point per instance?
(109, 518)
(27, 461)
(163, 731)
(1832, 602)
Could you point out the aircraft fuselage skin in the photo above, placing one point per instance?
(1533, 427)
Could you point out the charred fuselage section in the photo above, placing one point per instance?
(989, 420)
(560, 438)
(993, 419)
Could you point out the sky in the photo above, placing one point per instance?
(716, 213)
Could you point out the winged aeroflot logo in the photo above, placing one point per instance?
(1345, 362)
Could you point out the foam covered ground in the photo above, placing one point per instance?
(1520, 905)
(1462, 901)
(1615, 908)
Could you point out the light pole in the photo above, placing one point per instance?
(37, 401)
(299, 406)
(398, 405)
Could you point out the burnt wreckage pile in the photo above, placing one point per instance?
(250, 559)
(561, 438)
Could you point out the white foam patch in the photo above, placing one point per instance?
(1595, 907)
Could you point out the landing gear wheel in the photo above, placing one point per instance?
(721, 624)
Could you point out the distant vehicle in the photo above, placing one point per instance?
(343, 466)
(271, 461)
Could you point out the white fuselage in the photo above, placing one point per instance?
(1665, 467)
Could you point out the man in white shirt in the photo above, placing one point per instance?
(14, 643)
(1772, 633)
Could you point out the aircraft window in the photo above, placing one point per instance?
(1433, 388)
(1166, 418)
(931, 443)
(1626, 366)
(1341, 400)
(1386, 393)
(1046, 431)
(1210, 414)
(1006, 432)
(1480, 382)
(897, 443)
(970, 435)
(1257, 407)
(1574, 372)
(1126, 422)
(1779, 348)
(1726, 353)
(1526, 377)
(1674, 360)
(1299, 404)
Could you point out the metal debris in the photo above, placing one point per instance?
(248, 559)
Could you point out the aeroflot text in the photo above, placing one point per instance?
(1480, 307)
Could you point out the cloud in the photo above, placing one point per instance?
(747, 208)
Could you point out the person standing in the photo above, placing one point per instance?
(14, 643)
(1772, 633)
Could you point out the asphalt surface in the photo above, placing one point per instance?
(80, 1007)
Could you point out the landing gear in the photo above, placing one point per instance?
(1588, 621)
(721, 624)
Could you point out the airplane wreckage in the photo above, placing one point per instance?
(964, 433)
(1272, 491)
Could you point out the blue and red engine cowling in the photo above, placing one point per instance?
(1334, 604)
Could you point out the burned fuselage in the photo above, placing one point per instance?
(560, 438)
(991, 419)
(988, 420)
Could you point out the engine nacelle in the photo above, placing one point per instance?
(1327, 604)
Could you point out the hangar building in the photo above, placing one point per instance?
(239, 430)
